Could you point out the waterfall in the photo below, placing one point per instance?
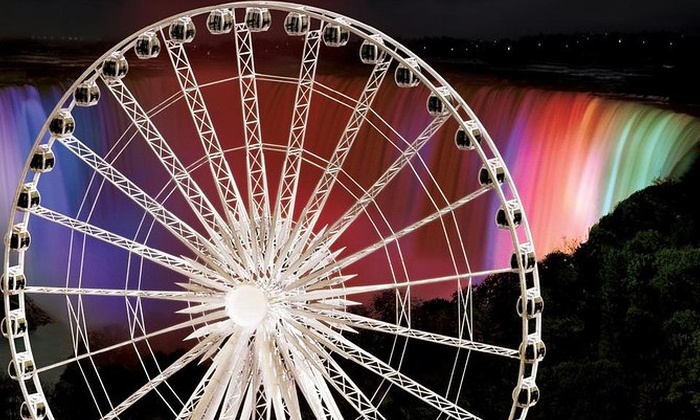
(573, 155)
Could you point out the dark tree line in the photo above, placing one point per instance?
(623, 313)
(621, 325)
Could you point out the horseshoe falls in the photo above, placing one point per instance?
(573, 155)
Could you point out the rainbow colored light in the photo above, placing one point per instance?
(573, 155)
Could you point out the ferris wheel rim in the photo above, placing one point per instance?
(352, 25)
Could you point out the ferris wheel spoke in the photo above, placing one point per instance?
(358, 321)
(146, 294)
(262, 404)
(290, 170)
(289, 180)
(331, 406)
(227, 189)
(347, 388)
(234, 398)
(163, 376)
(336, 376)
(197, 200)
(272, 373)
(334, 231)
(255, 159)
(318, 275)
(363, 358)
(225, 371)
(292, 400)
(311, 259)
(323, 188)
(249, 407)
(176, 264)
(133, 340)
(183, 232)
(303, 373)
(298, 358)
(245, 405)
(289, 390)
(319, 290)
(318, 334)
(371, 194)
(236, 394)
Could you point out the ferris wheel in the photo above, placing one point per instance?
(238, 212)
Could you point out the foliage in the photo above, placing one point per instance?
(622, 313)
(10, 397)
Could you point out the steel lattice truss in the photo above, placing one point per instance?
(254, 255)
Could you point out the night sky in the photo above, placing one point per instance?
(108, 19)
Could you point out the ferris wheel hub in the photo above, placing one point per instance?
(247, 306)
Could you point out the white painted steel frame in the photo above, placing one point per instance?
(265, 373)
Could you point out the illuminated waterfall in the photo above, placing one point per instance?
(573, 155)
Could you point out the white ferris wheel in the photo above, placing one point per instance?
(221, 235)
